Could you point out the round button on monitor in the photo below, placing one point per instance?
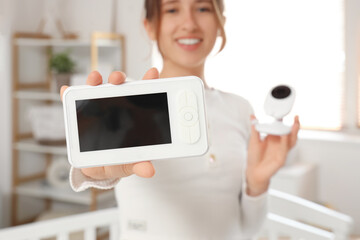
(188, 116)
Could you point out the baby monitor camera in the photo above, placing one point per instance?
(278, 104)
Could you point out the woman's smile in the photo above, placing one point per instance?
(189, 43)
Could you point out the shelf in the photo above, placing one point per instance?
(33, 87)
(41, 95)
(107, 43)
(40, 189)
(28, 42)
(30, 145)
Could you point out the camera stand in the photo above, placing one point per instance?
(277, 128)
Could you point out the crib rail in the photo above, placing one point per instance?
(296, 217)
(278, 227)
(61, 228)
(289, 216)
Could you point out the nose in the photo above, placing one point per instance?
(189, 21)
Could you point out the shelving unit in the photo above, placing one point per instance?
(31, 145)
(39, 90)
(70, 43)
(41, 189)
(37, 94)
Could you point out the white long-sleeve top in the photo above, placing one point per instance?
(193, 198)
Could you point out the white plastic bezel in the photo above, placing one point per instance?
(177, 148)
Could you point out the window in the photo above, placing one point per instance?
(300, 43)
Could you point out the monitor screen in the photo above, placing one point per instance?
(123, 122)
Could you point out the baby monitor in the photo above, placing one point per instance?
(135, 121)
(278, 104)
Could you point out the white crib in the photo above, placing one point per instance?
(61, 228)
(296, 218)
(289, 216)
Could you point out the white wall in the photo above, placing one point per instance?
(338, 178)
(5, 106)
(5, 139)
(138, 46)
(84, 16)
(352, 48)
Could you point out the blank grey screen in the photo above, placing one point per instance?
(122, 122)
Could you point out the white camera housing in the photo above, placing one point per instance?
(278, 104)
(135, 121)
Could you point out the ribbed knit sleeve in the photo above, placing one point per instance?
(253, 212)
(253, 209)
(80, 182)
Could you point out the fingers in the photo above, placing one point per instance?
(152, 73)
(294, 131)
(255, 148)
(269, 155)
(117, 78)
(255, 135)
(94, 79)
(290, 139)
(141, 169)
(144, 169)
(62, 90)
(94, 172)
(108, 172)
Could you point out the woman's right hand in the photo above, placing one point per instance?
(142, 169)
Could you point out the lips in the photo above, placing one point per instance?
(188, 41)
(189, 44)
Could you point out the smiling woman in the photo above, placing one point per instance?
(219, 195)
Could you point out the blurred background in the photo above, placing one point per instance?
(312, 45)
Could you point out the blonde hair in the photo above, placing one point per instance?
(153, 15)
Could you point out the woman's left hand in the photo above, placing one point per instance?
(266, 156)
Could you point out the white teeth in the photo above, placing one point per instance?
(189, 41)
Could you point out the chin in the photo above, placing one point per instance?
(192, 62)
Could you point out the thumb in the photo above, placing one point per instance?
(141, 169)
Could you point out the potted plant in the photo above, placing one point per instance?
(62, 67)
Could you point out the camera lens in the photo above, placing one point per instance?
(281, 92)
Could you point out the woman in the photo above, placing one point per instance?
(221, 195)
